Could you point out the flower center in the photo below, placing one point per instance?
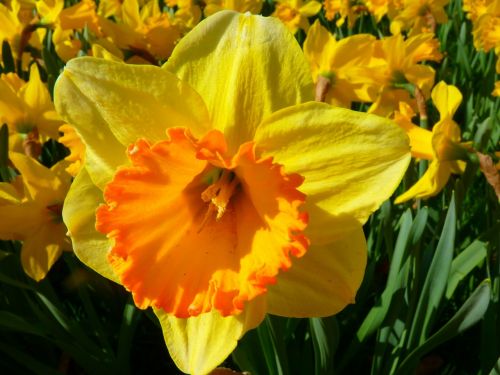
(194, 230)
(219, 193)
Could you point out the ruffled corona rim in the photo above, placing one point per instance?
(195, 229)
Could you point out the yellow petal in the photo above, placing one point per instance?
(446, 98)
(323, 281)
(316, 46)
(351, 162)
(137, 101)
(35, 94)
(245, 67)
(310, 8)
(112, 104)
(41, 250)
(12, 108)
(23, 220)
(41, 183)
(422, 76)
(199, 344)
(420, 138)
(90, 246)
(431, 183)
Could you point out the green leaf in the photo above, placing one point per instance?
(496, 369)
(435, 282)
(325, 336)
(27, 361)
(464, 263)
(469, 314)
(14, 322)
(272, 346)
(377, 314)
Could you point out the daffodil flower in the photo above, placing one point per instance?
(25, 106)
(344, 8)
(209, 177)
(146, 31)
(380, 8)
(395, 63)
(421, 16)
(294, 13)
(441, 145)
(332, 60)
(31, 211)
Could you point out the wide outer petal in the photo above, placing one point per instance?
(351, 162)
(90, 246)
(112, 104)
(199, 344)
(245, 67)
(323, 281)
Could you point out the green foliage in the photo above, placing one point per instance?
(430, 300)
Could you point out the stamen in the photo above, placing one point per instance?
(219, 194)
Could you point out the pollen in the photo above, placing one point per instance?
(219, 193)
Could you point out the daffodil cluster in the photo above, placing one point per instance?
(485, 16)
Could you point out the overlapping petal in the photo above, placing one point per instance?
(238, 64)
(198, 344)
(351, 162)
(338, 271)
(90, 246)
(112, 104)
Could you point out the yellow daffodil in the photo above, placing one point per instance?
(27, 106)
(66, 21)
(112, 8)
(395, 63)
(16, 29)
(441, 145)
(146, 31)
(332, 60)
(420, 16)
(49, 10)
(487, 28)
(343, 8)
(30, 208)
(380, 8)
(294, 13)
(187, 15)
(475, 8)
(209, 176)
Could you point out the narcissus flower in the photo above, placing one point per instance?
(294, 13)
(25, 106)
(146, 31)
(396, 63)
(333, 60)
(209, 177)
(31, 209)
(421, 16)
(441, 145)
